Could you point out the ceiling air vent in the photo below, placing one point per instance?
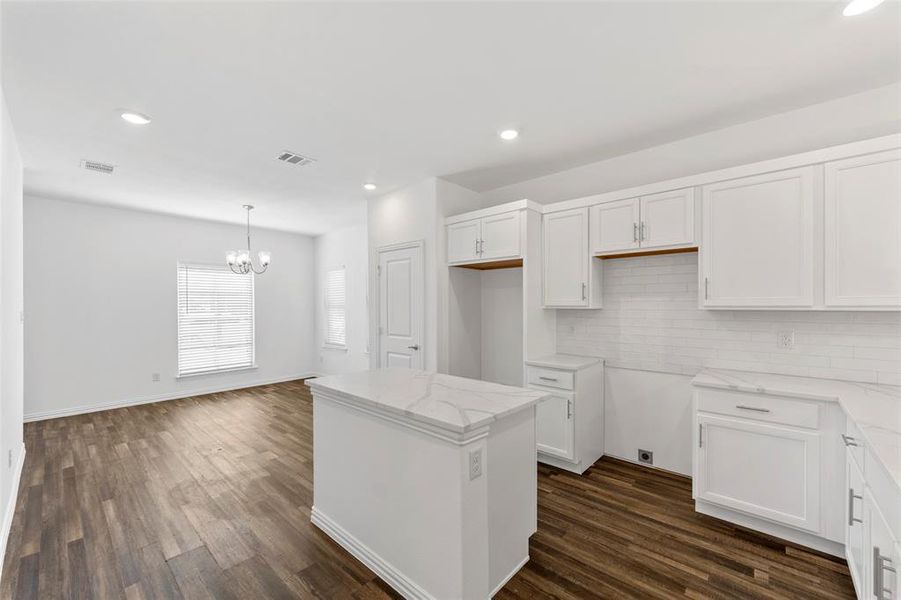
(99, 167)
(292, 158)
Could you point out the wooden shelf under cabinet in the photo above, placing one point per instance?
(495, 264)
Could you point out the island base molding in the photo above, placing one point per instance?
(434, 516)
(802, 538)
(375, 563)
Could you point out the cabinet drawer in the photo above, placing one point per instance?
(854, 443)
(551, 378)
(771, 409)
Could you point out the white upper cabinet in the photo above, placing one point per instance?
(570, 280)
(654, 222)
(484, 239)
(667, 219)
(615, 226)
(463, 241)
(758, 241)
(500, 236)
(863, 231)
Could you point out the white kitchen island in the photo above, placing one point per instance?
(428, 479)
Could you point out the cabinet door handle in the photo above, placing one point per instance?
(851, 497)
(543, 378)
(583, 291)
(641, 236)
(754, 408)
(569, 409)
(477, 246)
(700, 435)
(481, 246)
(849, 441)
(634, 232)
(879, 569)
(706, 287)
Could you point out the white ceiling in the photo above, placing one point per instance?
(396, 92)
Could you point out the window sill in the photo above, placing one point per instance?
(216, 372)
(340, 347)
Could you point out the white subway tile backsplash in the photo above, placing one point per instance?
(651, 320)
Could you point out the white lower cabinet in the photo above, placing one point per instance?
(555, 425)
(882, 553)
(771, 471)
(855, 541)
(570, 422)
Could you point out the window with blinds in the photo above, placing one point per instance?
(215, 320)
(335, 313)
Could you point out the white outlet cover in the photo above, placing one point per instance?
(785, 340)
(475, 463)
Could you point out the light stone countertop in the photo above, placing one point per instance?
(568, 362)
(456, 404)
(875, 409)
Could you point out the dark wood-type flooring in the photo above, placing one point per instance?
(209, 497)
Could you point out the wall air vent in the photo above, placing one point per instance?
(292, 158)
(99, 167)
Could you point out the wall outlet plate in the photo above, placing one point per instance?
(154, 376)
(645, 457)
(475, 463)
(785, 339)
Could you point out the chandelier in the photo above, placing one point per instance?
(240, 261)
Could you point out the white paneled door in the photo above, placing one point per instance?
(758, 242)
(566, 258)
(761, 469)
(400, 306)
(615, 226)
(863, 231)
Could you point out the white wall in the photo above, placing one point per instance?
(650, 411)
(866, 115)
(101, 299)
(347, 247)
(407, 215)
(11, 327)
(502, 326)
(413, 213)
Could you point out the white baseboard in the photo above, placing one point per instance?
(509, 576)
(89, 408)
(400, 582)
(11, 505)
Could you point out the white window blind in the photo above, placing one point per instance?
(215, 320)
(335, 314)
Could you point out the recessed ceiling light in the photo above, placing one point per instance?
(369, 187)
(135, 118)
(858, 7)
(509, 134)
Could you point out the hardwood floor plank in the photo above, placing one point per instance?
(209, 498)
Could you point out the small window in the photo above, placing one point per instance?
(215, 320)
(335, 312)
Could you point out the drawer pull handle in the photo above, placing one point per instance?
(754, 408)
(849, 441)
(543, 378)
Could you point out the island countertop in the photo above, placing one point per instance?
(456, 404)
